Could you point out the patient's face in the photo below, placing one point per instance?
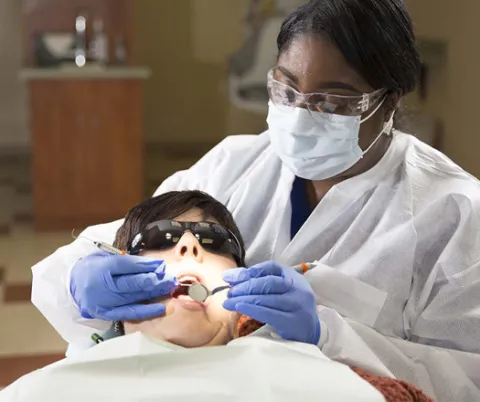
(186, 322)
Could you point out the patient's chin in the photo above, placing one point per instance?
(185, 327)
(194, 334)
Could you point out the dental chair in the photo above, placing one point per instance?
(248, 68)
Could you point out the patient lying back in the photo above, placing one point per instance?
(198, 350)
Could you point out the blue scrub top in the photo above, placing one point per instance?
(301, 209)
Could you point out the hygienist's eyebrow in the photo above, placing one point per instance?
(288, 74)
(337, 85)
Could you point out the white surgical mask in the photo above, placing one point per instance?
(317, 145)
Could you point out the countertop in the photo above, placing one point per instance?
(87, 72)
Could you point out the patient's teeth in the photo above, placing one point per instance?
(188, 278)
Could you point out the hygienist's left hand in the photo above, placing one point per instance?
(275, 295)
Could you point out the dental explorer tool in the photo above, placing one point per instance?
(102, 245)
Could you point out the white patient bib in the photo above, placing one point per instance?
(255, 368)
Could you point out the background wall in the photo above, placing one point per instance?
(186, 44)
(13, 108)
(454, 99)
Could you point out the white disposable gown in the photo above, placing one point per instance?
(138, 368)
(398, 246)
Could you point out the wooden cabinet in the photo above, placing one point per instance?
(87, 151)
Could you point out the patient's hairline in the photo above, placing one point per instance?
(172, 204)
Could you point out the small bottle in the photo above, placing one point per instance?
(99, 43)
(120, 51)
(80, 39)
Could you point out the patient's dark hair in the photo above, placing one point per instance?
(169, 206)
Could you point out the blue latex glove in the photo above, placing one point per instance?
(111, 287)
(275, 295)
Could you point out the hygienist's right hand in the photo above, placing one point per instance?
(112, 287)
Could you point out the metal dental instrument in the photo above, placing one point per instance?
(101, 245)
(200, 293)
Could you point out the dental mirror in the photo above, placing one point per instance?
(200, 293)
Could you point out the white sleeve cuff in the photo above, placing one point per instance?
(69, 277)
(323, 334)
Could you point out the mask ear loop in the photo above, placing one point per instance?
(387, 128)
(375, 110)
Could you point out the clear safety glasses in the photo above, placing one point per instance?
(287, 98)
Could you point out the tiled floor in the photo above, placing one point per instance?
(27, 341)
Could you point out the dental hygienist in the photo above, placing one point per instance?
(394, 224)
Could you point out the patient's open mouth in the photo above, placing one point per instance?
(183, 284)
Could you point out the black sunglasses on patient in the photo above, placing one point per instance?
(164, 234)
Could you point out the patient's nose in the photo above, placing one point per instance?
(189, 247)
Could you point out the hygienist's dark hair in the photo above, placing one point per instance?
(376, 38)
(169, 206)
